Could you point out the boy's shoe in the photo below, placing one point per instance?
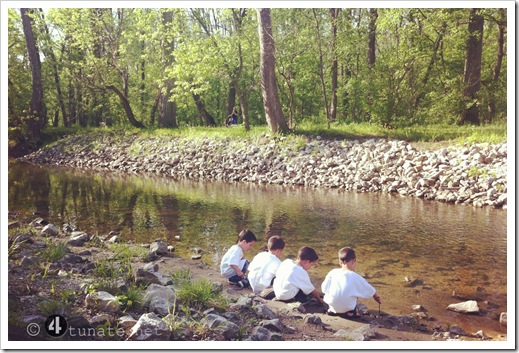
(233, 283)
(244, 283)
(267, 293)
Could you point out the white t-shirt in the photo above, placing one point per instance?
(290, 278)
(262, 270)
(341, 289)
(233, 256)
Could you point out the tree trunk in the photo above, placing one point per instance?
(334, 13)
(50, 53)
(321, 66)
(231, 97)
(72, 102)
(127, 107)
(37, 112)
(168, 109)
(430, 66)
(372, 28)
(204, 115)
(154, 107)
(497, 67)
(243, 106)
(269, 89)
(240, 93)
(472, 74)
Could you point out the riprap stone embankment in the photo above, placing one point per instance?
(470, 174)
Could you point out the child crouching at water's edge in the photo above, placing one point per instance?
(292, 281)
(262, 269)
(234, 265)
(343, 286)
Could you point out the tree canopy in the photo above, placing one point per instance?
(191, 66)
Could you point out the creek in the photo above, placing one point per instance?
(440, 248)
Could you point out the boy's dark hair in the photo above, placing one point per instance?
(346, 254)
(246, 235)
(307, 253)
(275, 242)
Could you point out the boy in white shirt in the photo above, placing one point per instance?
(342, 286)
(263, 267)
(234, 265)
(292, 281)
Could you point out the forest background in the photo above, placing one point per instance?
(285, 68)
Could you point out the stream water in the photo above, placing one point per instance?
(440, 248)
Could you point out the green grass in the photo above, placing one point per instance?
(199, 293)
(127, 253)
(131, 298)
(54, 252)
(494, 133)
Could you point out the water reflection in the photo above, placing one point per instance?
(443, 246)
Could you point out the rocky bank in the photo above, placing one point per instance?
(94, 302)
(470, 174)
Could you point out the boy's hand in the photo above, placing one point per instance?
(376, 297)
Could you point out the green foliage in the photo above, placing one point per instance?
(199, 293)
(417, 78)
(127, 253)
(16, 241)
(54, 252)
(131, 298)
(50, 307)
(180, 277)
(111, 269)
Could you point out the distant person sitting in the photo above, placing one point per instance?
(292, 282)
(342, 286)
(232, 119)
(262, 269)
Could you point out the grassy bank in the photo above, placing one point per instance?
(450, 134)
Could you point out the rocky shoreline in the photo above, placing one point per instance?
(111, 291)
(471, 174)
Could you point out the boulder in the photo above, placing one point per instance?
(150, 327)
(263, 311)
(468, 307)
(103, 301)
(221, 325)
(159, 247)
(50, 229)
(160, 299)
(262, 334)
(77, 239)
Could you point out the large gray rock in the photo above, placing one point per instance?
(363, 333)
(126, 322)
(468, 307)
(144, 276)
(78, 239)
(263, 311)
(103, 301)
(159, 247)
(221, 325)
(160, 299)
(50, 229)
(150, 327)
(262, 334)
